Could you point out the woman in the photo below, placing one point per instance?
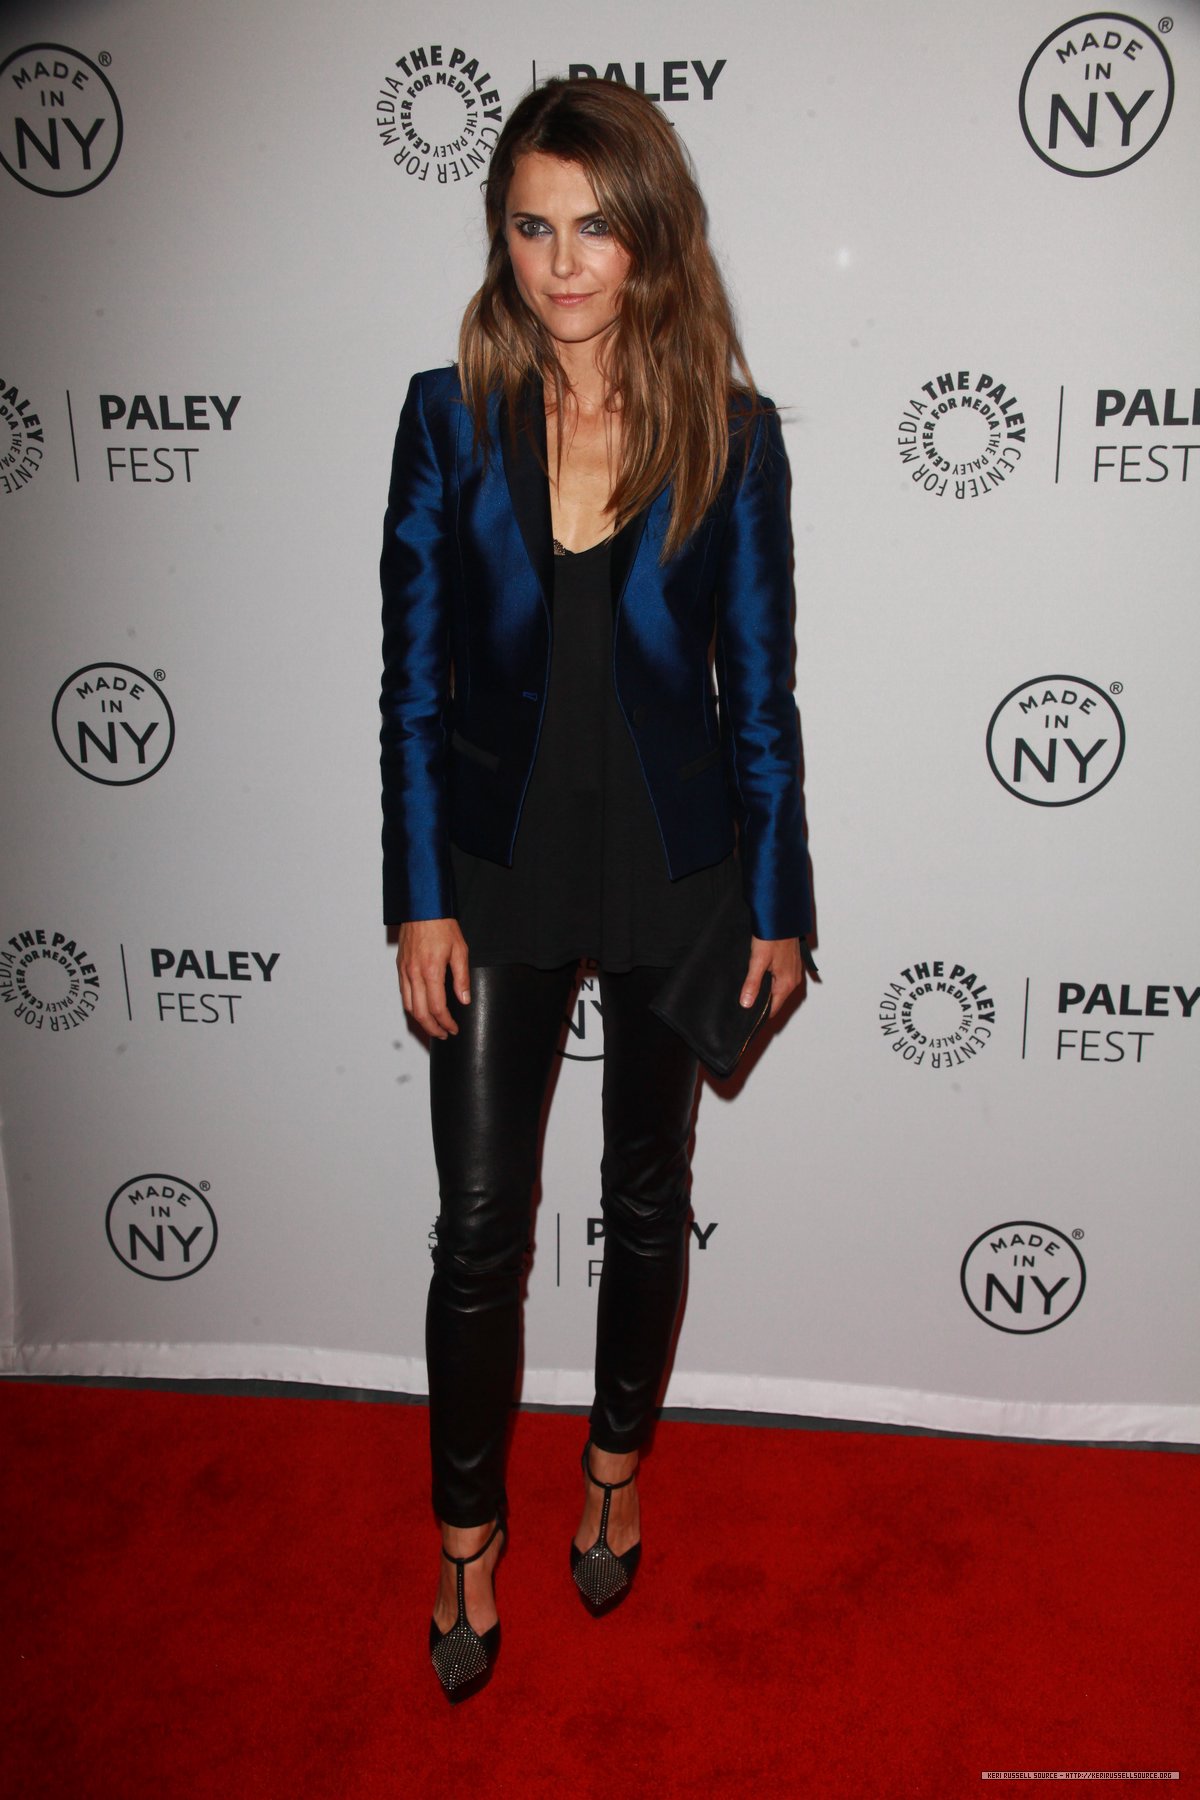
(594, 481)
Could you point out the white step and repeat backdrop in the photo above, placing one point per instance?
(957, 1188)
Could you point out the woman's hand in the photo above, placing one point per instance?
(782, 957)
(427, 947)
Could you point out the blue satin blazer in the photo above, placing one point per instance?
(468, 599)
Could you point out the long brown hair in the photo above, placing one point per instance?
(673, 361)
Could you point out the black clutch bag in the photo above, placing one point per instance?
(700, 997)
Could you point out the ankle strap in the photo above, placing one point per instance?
(462, 1561)
(609, 1487)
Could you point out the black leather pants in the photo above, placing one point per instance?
(486, 1091)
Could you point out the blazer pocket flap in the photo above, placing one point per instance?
(698, 764)
(473, 752)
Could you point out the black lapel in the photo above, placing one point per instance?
(529, 491)
(528, 487)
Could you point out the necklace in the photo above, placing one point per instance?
(561, 549)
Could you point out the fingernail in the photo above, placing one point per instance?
(464, 996)
(746, 998)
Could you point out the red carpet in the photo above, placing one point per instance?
(227, 1597)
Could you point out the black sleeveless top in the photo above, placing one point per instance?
(589, 873)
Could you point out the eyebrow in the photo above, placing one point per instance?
(538, 219)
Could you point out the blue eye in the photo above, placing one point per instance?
(597, 228)
(531, 228)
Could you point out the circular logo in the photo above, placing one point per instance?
(582, 1039)
(22, 440)
(47, 981)
(161, 1227)
(60, 120)
(113, 724)
(1055, 740)
(439, 115)
(1022, 1276)
(1096, 94)
(963, 435)
(937, 1015)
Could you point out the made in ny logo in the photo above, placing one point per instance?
(1023, 1276)
(60, 119)
(1097, 93)
(962, 435)
(113, 724)
(582, 1039)
(162, 1227)
(22, 439)
(438, 112)
(1056, 740)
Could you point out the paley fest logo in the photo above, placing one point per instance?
(1097, 93)
(114, 724)
(675, 79)
(937, 1015)
(161, 1226)
(964, 438)
(594, 1228)
(60, 119)
(205, 987)
(47, 981)
(1023, 1276)
(22, 439)
(1087, 1028)
(1056, 740)
(164, 422)
(439, 111)
(1147, 435)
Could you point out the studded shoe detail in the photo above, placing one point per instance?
(602, 1577)
(462, 1657)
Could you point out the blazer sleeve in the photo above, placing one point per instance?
(415, 573)
(754, 646)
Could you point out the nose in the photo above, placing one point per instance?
(565, 259)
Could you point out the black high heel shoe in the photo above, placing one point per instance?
(462, 1659)
(602, 1577)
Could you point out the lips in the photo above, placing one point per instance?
(569, 299)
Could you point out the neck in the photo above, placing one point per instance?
(586, 381)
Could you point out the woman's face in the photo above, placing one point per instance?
(568, 266)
